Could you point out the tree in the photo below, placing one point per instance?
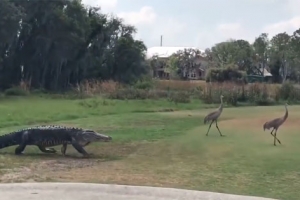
(232, 52)
(224, 53)
(261, 49)
(57, 44)
(280, 55)
(294, 55)
(11, 16)
(185, 61)
(172, 67)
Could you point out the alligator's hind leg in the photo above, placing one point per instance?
(64, 149)
(78, 147)
(46, 150)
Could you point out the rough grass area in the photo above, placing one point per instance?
(158, 143)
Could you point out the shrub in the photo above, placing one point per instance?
(289, 92)
(228, 73)
(16, 91)
(258, 93)
(183, 91)
(231, 92)
(143, 85)
(178, 85)
(179, 97)
(90, 88)
(133, 93)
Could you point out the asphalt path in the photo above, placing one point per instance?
(87, 191)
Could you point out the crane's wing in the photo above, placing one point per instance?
(271, 123)
(210, 116)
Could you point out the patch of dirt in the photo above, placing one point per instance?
(32, 167)
(111, 168)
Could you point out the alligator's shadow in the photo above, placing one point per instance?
(60, 156)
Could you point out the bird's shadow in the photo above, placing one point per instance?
(214, 135)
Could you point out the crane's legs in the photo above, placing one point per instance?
(209, 127)
(275, 136)
(218, 128)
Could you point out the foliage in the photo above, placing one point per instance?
(180, 97)
(279, 54)
(228, 73)
(238, 52)
(289, 92)
(57, 44)
(186, 60)
(173, 67)
(179, 91)
(15, 91)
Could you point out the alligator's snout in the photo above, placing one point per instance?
(107, 139)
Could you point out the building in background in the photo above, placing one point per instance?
(163, 53)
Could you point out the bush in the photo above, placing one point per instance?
(231, 92)
(16, 91)
(257, 93)
(133, 93)
(178, 85)
(179, 97)
(183, 91)
(143, 85)
(228, 73)
(289, 92)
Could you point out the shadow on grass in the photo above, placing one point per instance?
(36, 156)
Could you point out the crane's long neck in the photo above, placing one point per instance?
(221, 105)
(286, 113)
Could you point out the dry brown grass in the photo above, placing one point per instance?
(187, 85)
(95, 87)
(179, 84)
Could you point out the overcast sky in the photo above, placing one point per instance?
(202, 23)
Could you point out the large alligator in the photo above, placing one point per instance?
(49, 136)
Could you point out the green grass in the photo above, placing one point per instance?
(153, 145)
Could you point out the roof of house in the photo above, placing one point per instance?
(265, 71)
(164, 52)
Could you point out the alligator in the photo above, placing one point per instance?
(52, 135)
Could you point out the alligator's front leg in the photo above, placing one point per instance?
(46, 150)
(78, 147)
(19, 150)
(64, 149)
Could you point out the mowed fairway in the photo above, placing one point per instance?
(158, 143)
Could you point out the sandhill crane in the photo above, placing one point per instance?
(276, 123)
(213, 117)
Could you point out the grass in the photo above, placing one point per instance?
(159, 143)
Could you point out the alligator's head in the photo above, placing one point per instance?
(88, 136)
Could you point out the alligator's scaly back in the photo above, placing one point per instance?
(48, 136)
(15, 137)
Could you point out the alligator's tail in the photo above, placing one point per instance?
(10, 139)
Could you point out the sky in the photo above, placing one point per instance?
(203, 23)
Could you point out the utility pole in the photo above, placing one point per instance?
(161, 40)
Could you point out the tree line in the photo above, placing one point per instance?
(57, 44)
(279, 54)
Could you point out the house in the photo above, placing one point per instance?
(199, 71)
(163, 53)
(260, 73)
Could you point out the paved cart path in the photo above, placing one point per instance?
(85, 191)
